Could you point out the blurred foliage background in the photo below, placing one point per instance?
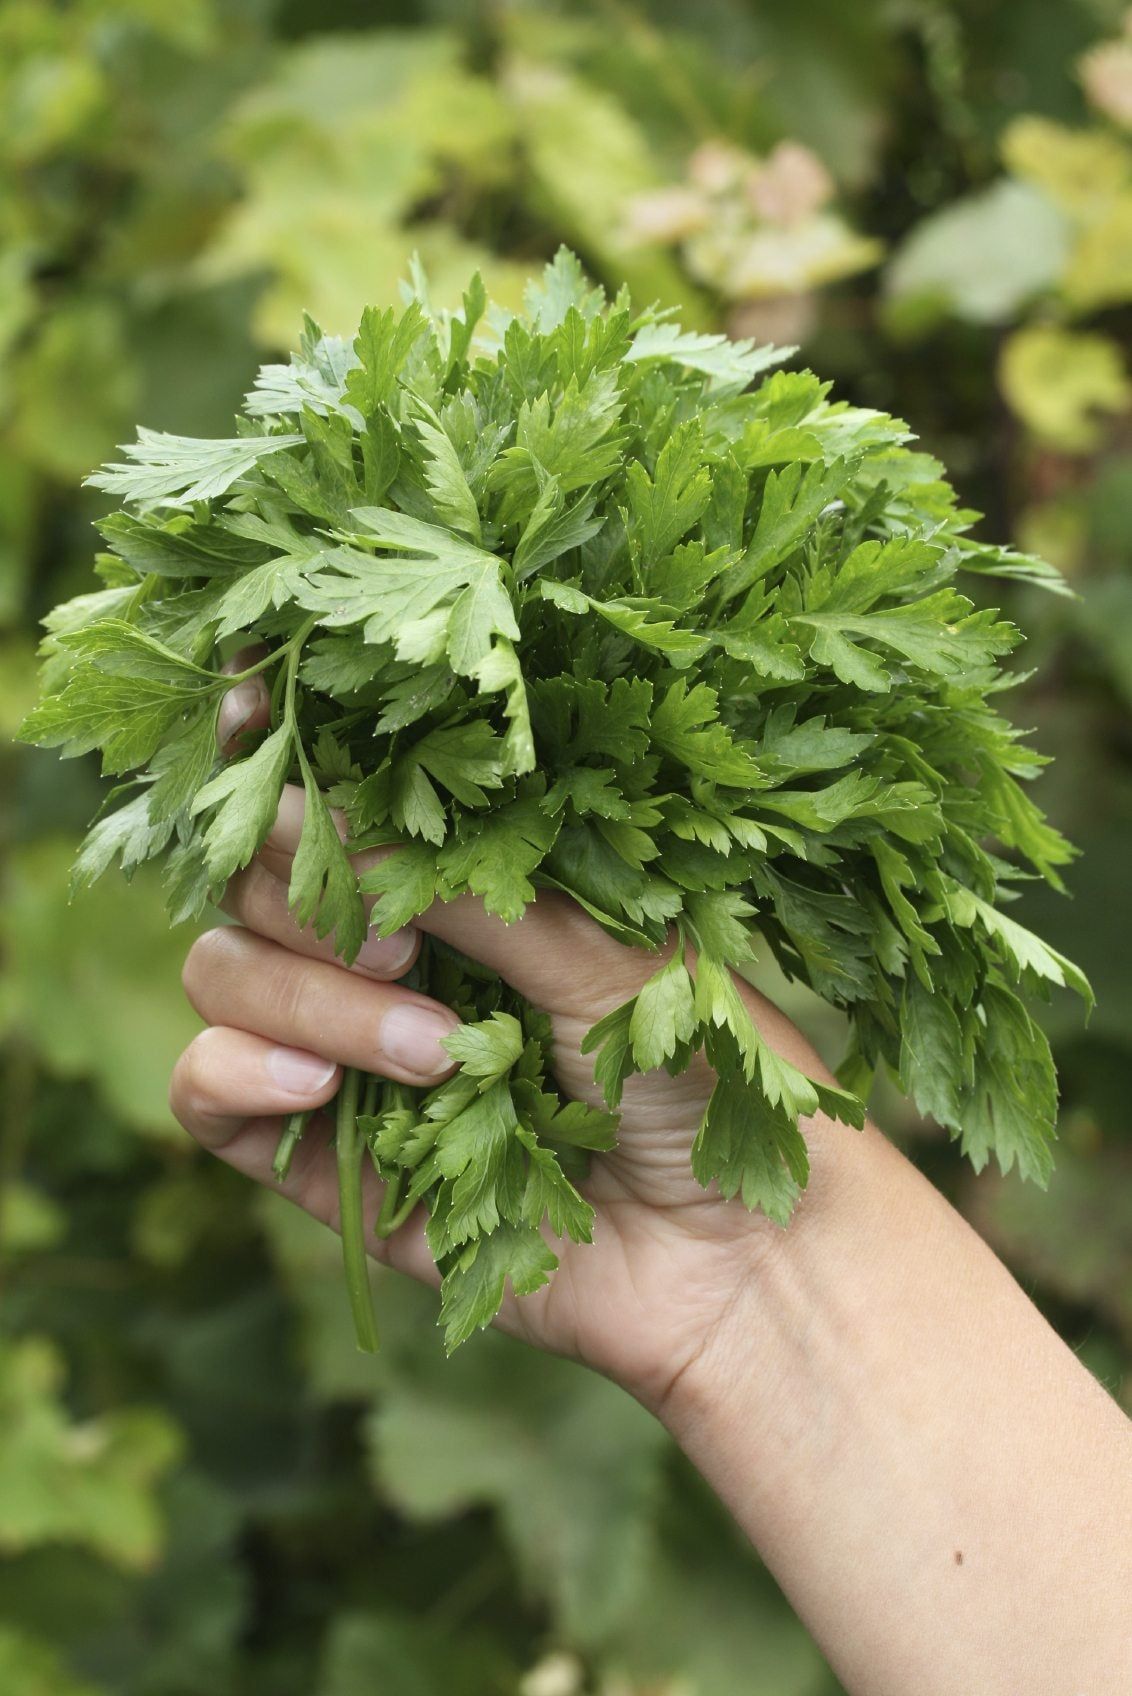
(202, 1486)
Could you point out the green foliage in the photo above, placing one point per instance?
(88, 1483)
(856, 762)
(572, 1473)
(34, 1669)
(77, 981)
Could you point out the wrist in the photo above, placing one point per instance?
(890, 1421)
(794, 1293)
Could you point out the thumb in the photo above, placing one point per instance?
(245, 708)
(555, 955)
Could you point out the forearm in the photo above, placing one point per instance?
(940, 1487)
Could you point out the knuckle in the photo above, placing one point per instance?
(192, 1092)
(284, 991)
(249, 897)
(177, 1083)
(209, 957)
(235, 976)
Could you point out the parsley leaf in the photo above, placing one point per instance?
(324, 888)
(243, 799)
(178, 470)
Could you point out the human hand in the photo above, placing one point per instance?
(668, 1259)
(869, 1392)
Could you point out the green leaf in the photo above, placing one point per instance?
(664, 507)
(384, 347)
(472, 1292)
(663, 1016)
(494, 855)
(752, 1148)
(431, 572)
(848, 661)
(177, 547)
(562, 286)
(553, 529)
(487, 1050)
(414, 805)
(182, 765)
(479, 1154)
(270, 585)
(462, 327)
(633, 620)
(933, 634)
(731, 365)
(934, 1062)
(405, 881)
(127, 717)
(793, 500)
(683, 725)
(128, 834)
(611, 1037)
(718, 923)
(178, 470)
(500, 670)
(481, 611)
(121, 649)
(243, 800)
(1010, 1107)
(468, 759)
(550, 1194)
(445, 477)
(1026, 954)
(323, 890)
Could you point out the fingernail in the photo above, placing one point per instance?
(236, 709)
(388, 955)
(410, 1036)
(298, 1072)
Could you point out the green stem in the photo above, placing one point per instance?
(276, 692)
(350, 1148)
(393, 1211)
(294, 654)
(293, 1127)
(290, 652)
(262, 664)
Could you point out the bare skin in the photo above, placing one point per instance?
(943, 1491)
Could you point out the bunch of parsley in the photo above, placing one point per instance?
(580, 600)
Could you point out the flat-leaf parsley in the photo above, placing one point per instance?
(577, 599)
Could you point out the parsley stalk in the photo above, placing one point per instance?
(393, 1211)
(293, 1127)
(294, 1124)
(294, 653)
(349, 1149)
(349, 1145)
